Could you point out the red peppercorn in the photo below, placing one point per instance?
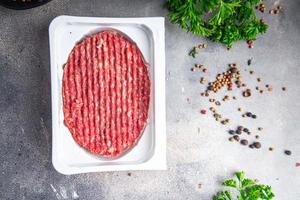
(203, 111)
(250, 42)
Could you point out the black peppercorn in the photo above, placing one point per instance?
(288, 152)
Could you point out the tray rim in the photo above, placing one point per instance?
(158, 159)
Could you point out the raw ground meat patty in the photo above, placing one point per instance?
(106, 93)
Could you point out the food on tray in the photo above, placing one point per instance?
(106, 93)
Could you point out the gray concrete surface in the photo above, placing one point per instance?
(194, 157)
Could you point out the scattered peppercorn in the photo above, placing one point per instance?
(275, 10)
(233, 69)
(224, 122)
(247, 93)
(216, 115)
(244, 142)
(236, 138)
(202, 80)
(249, 61)
(203, 111)
(246, 130)
(257, 145)
(283, 88)
(210, 87)
(198, 66)
(240, 128)
(270, 89)
(199, 185)
(260, 128)
(261, 7)
(288, 152)
(228, 79)
(232, 65)
(129, 173)
(239, 132)
(271, 148)
(202, 46)
(248, 114)
(225, 79)
(250, 44)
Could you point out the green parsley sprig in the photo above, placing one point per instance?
(225, 21)
(247, 189)
(193, 52)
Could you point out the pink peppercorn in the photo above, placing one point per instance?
(250, 42)
(203, 111)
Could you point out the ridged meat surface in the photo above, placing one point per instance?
(106, 93)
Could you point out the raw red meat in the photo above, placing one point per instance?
(106, 93)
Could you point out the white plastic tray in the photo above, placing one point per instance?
(150, 152)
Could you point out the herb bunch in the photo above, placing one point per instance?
(247, 189)
(225, 21)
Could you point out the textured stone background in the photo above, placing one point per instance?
(206, 157)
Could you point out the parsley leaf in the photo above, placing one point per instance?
(225, 21)
(226, 10)
(240, 175)
(230, 183)
(193, 52)
(247, 182)
(223, 196)
(246, 188)
(257, 192)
